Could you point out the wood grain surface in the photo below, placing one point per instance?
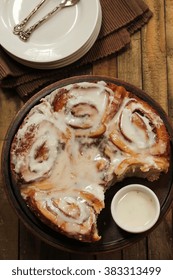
(148, 64)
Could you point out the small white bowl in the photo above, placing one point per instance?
(135, 208)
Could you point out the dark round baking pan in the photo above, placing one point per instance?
(113, 238)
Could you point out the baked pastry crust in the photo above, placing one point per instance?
(76, 143)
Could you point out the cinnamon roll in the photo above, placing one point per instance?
(78, 142)
(139, 133)
(84, 108)
(35, 146)
(72, 213)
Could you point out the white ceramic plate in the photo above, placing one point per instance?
(64, 34)
(69, 59)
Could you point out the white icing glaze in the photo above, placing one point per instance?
(28, 162)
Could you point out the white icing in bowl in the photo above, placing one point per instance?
(135, 208)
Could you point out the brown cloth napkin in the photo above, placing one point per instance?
(120, 19)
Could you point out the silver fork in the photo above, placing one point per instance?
(25, 34)
(20, 26)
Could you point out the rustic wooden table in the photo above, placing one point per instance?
(148, 64)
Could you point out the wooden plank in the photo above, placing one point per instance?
(155, 83)
(29, 245)
(106, 67)
(154, 54)
(8, 226)
(33, 248)
(82, 256)
(8, 219)
(14, 103)
(163, 236)
(169, 53)
(116, 255)
(129, 62)
(160, 241)
(137, 251)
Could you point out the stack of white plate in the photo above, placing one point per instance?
(63, 39)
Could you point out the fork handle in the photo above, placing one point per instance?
(19, 27)
(25, 34)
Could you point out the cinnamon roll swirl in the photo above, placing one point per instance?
(73, 212)
(76, 143)
(139, 133)
(84, 108)
(35, 146)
